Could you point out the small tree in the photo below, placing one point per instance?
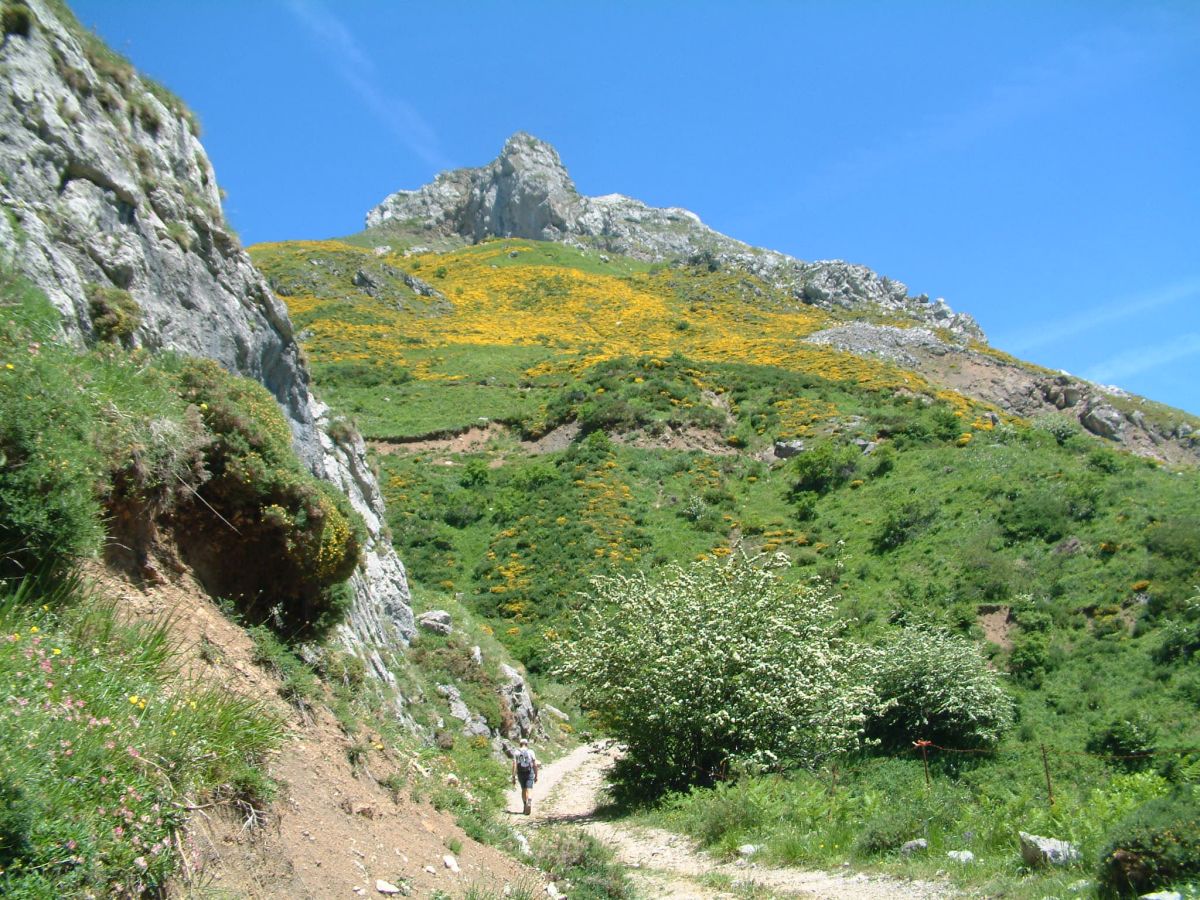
(937, 687)
(717, 664)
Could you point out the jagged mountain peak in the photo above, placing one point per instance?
(523, 149)
(526, 192)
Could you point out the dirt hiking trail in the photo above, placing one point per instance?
(664, 864)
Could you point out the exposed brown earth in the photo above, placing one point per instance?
(997, 624)
(334, 830)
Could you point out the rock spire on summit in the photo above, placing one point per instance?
(526, 192)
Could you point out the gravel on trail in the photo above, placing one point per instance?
(665, 864)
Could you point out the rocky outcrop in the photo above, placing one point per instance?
(516, 696)
(436, 620)
(474, 725)
(105, 185)
(898, 345)
(1043, 851)
(1020, 389)
(527, 193)
(1100, 418)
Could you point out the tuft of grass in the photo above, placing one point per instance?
(16, 19)
(571, 855)
(115, 314)
(299, 684)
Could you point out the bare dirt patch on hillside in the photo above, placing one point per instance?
(703, 440)
(665, 864)
(334, 829)
(997, 624)
(472, 440)
(479, 439)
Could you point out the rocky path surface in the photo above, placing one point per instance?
(665, 864)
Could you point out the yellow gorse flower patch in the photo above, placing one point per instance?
(581, 317)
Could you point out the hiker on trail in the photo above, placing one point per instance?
(525, 773)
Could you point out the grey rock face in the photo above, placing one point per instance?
(527, 193)
(436, 620)
(911, 847)
(104, 184)
(788, 449)
(884, 341)
(120, 198)
(515, 693)
(1063, 392)
(458, 708)
(381, 615)
(1043, 851)
(474, 725)
(1100, 418)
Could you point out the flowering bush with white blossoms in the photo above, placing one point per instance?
(718, 665)
(937, 687)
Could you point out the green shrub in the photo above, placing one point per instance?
(1129, 740)
(16, 821)
(986, 574)
(937, 687)
(49, 466)
(275, 537)
(1037, 513)
(1175, 538)
(1030, 658)
(1058, 426)
(1181, 639)
(887, 831)
(823, 468)
(913, 425)
(17, 19)
(715, 665)
(1156, 845)
(804, 505)
(903, 522)
(362, 375)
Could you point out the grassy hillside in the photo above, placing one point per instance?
(662, 391)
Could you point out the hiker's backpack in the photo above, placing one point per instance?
(525, 759)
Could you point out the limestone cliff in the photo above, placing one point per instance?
(526, 192)
(105, 184)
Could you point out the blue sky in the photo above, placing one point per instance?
(1037, 164)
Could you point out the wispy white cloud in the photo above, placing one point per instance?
(354, 65)
(1144, 359)
(1048, 333)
